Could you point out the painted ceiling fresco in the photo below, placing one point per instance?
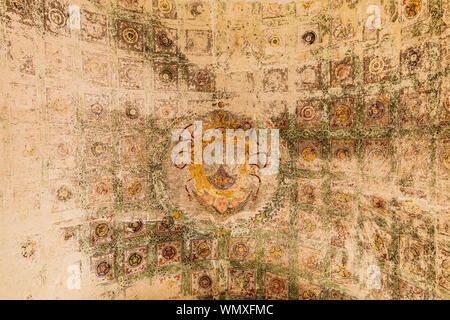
(93, 207)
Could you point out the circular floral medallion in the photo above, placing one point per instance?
(307, 113)
(165, 6)
(413, 57)
(205, 282)
(59, 105)
(135, 226)
(342, 113)
(203, 250)
(57, 17)
(377, 155)
(202, 77)
(103, 269)
(414, 108)
(308, 191)
(96, 31)
(168, 222)
(95, 68)
(98, 148)
(342, 71)
(135, 259)
(412, 8)
(130, 35)
(97, 109)
(132, 112)
(274, 41)
(308, 154)
(62, 149)
(376, 110)
(101, 230)
(169, 252)
(309, 225)
(101, 188)
(276, 285)
(132, 74)
(133, 149)
(343, 154)
(134, 188)
(376, 65)
(63, 194)
(309, 37)
(164, 40)
(342, 199)
(166, 75)
(240, 250)
(167, 112)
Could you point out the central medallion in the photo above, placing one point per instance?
(223, 189)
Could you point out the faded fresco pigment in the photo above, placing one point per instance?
(93, 206)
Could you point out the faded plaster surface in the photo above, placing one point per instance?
(93, 208)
